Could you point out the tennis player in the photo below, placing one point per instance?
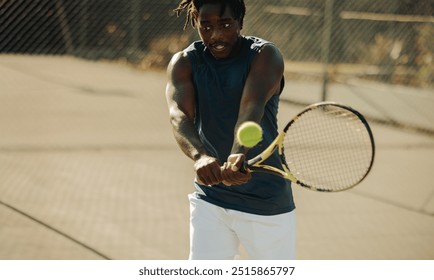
(213, 86)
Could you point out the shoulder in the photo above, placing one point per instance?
(256, 43)
(180, 63)
(179, 59)
(268, 67)
(186, 57)
(264, 49)
(270, 50)
(268, 55)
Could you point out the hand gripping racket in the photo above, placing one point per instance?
(327, 147)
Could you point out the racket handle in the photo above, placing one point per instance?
(243, 168)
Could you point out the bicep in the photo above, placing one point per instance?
(180, 93)
(264, 78)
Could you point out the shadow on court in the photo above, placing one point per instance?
(89, 170)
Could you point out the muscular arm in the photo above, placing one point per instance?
(180, 95)
(262, 83)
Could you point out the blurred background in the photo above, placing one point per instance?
(89, 168)
(387, 40)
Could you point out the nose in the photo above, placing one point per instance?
(216, 34)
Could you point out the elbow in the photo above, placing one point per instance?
(174, 119)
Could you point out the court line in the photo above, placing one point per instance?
(67, 236)
(81, 88)
(394, 203)
(83, 148)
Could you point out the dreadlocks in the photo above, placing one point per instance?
(191, 7)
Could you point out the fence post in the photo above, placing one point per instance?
(325, 46)
(135, 27)
(83, 27)
(64, 25)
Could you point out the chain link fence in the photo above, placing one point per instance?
(49, 162)
(386, 40)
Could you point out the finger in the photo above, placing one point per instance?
(216, 175)
(240, 161)
(226, 170)
(198, 180)
(212, 175)
(227, 183)
(243, 178)
(206, 179)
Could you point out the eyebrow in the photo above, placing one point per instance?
(221, 20)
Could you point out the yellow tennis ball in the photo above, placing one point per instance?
(249, 134)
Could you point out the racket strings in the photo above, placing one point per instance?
(329, 148)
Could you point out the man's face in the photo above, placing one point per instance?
(219, 33)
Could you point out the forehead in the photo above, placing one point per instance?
(212, 12)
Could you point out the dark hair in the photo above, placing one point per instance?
(191, 7)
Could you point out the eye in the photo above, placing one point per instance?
(206, 28)
(226, 25)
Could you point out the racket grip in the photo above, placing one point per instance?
(243, 168)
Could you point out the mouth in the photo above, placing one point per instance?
(219, 47)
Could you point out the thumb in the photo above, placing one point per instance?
(238, 162)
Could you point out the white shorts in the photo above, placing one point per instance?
(216, 233)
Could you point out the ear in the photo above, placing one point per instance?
(240, 23)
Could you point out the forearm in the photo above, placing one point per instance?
(264, 82)
(187, 138)
(207, 168)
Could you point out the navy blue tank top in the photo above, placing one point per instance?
(219, 85)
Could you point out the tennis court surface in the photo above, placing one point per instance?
(89, 169)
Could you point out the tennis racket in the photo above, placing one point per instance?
(327, 147)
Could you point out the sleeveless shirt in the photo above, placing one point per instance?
(219, 85)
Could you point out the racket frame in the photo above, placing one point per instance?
(255, 164)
